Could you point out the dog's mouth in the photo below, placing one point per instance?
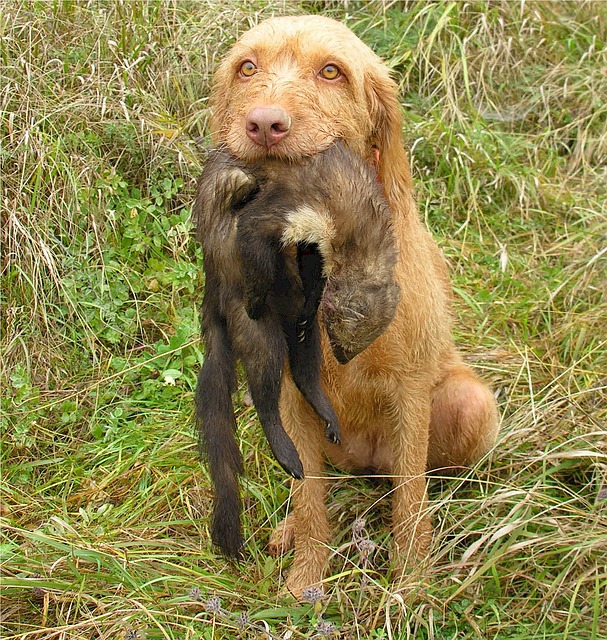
(284, 151)
(293, 147)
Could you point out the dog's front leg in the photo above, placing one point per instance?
(411, 526)
(310, 519)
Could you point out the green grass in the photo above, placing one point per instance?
(103, 112)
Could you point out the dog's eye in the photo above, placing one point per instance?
(248, 69)
(330, 72)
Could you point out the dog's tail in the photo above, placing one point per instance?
(217, 435)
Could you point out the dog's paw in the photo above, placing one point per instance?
(282, 538)
(305, 585)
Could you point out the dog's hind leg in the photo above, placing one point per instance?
(464, 420)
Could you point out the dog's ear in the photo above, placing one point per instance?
(218, 102)
(384, 111)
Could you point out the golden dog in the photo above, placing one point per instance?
(287, 89)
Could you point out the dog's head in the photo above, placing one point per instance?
(292, 85)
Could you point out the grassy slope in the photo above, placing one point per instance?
(104, 504)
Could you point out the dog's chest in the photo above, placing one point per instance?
(365, 425)
(362, 451)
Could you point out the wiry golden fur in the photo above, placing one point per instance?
(408, 403)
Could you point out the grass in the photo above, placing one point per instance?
(103, 109)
